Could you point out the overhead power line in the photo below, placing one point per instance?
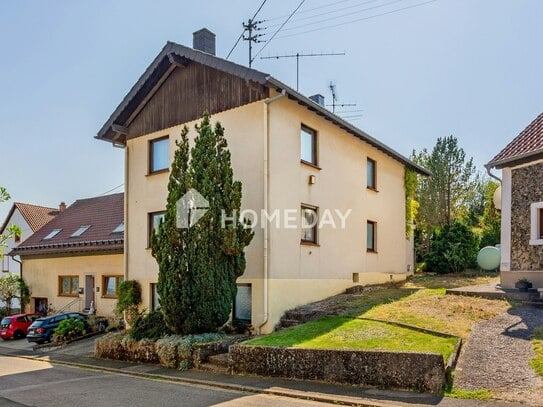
(343, 15)
(316, 8)
(243, 32)
(359, 19)
(279, 29)
(327, 13)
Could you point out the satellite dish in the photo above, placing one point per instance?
(497, 198)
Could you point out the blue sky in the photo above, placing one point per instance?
(471, 68)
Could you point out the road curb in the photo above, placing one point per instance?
(301, 395)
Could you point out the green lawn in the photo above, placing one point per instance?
(537, 340)
(357, 334)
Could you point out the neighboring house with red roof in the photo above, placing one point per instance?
(521, 162)
(75, 262)
(30, 218)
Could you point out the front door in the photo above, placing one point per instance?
(89, 292)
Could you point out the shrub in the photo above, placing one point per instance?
(175, 351)
(452, 249)
(149, 326)
(69, 329)
(129, 299)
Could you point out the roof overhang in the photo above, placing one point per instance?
(174, 56)
(516, 160)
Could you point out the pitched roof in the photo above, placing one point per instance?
(527, 146)
(173, 53)
(103, 214)
(36, 216)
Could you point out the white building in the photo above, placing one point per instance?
(30, 218)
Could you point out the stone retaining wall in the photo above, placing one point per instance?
(423, 372)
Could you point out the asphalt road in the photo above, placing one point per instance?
(26, 382)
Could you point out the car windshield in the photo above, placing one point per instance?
(5, 322)
(38, 322)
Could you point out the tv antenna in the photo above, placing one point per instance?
(250, 27)
(332, 87)
(299, 55)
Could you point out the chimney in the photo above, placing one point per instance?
(204, 40)
(62, 206)
(318, 99)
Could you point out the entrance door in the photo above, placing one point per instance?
(89, 292)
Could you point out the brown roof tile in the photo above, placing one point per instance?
(36, 216)
(529, 142)
(103, 214)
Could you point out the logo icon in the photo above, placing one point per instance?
(190, 209)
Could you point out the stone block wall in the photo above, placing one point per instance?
(423, 372)
(526, 188)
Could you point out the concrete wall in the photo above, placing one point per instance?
(298, 273)
(41, 275)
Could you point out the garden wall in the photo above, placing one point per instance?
(423, 372)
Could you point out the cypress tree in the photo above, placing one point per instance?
(199, 265)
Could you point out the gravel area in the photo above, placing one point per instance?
(497, 357)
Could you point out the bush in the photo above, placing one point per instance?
(129, 299)
(176, 351)
(69, 329)
(149, 326)
(452, 249)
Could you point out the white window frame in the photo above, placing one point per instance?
(534, 224)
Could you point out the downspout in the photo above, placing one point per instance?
(126, 226)
(267, 102)
(488, 168)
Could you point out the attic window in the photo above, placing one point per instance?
(119, 229)
(52, 234)
(80, 231)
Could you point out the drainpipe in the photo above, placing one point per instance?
(492, 175)
(126, 225)
(267, 102)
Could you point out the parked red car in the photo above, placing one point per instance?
(16, 326)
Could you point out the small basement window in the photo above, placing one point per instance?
(80, 231)
(52, 234)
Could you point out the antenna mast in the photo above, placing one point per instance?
(332, 87)
(298, 55)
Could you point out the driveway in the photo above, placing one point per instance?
(497, 357)
(16, 344)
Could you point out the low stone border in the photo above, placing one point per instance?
(165, 354)
(419, 371)
(424, 372)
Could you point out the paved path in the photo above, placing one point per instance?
(497, 355)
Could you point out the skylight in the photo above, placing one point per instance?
(52, 234)
(80, 231)
(119, 229)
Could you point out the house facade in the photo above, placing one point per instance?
(293, 156)
(29, 218)
(75, 262)
(521, 162)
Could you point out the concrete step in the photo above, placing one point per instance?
(218, 360)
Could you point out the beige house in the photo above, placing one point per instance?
(521, 162)
(75, 262)
(293, 156)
